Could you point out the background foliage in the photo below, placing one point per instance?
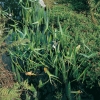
(54, 52)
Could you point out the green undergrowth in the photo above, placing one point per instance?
(56, 51)
(81, 31)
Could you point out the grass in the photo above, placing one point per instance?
(53, 49)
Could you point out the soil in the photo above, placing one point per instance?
(6, 76)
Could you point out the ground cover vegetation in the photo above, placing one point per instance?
(54, 52)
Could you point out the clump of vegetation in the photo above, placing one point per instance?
(54, 52)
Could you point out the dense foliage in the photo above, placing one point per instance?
(54, 52)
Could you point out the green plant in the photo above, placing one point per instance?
(10, 93)
(16, 90)
(65, 45)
